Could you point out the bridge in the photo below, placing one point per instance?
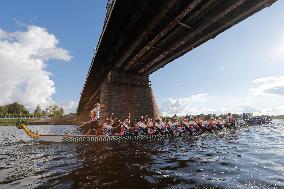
(141, 36)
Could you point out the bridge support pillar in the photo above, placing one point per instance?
(123, 93)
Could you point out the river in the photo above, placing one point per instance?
(244, 158)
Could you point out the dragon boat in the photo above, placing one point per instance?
(102, 138)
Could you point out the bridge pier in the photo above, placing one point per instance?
(123, 93)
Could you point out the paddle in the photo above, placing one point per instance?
(84, 123)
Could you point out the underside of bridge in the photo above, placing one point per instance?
(141, 36)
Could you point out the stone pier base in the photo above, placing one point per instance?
(123, 93)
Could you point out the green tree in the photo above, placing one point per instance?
(3, 110)
(16, 109)
(54, 111)
(59, 113)
(38, 111)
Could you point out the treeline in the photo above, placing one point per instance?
(278, 117)
(19, 110)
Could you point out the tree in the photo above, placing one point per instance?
(59, 113)
(54, 111)
(38, 111)
(16, 109)
(3, 110)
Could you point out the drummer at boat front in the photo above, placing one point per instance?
(95, 113)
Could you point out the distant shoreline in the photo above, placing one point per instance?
(33, 121)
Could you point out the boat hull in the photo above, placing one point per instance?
(94, 138)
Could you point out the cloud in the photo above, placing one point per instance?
(268, 86)
(208, 104)
(69, 107)
(191, 105)
(23, 61)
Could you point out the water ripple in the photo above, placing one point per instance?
(244, 158)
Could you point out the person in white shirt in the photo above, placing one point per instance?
(95, 112)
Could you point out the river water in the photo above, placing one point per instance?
(244, 158)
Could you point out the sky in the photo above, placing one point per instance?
(46, 48)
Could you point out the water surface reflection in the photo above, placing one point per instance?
(247, 158)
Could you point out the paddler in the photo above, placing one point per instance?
(150, 126)
(169, 127)
(107, 127)
(230, 120)
(141, 126)
(205, 125)
(192, 124)
(200, 124)
(213, 124)
(125, 127)
(220, 123)
(185, 124)
(158, 127)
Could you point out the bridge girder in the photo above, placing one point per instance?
(142, 36)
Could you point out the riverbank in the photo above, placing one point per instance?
(70, 119)
(13, 121)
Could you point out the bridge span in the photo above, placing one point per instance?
(141, 36)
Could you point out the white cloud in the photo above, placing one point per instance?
(208, 104)
(23, 59)
(194, 104)
(69, 107)
(268, 86)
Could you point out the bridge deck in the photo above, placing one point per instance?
(142, 36)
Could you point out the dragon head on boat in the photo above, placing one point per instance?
(21, 124)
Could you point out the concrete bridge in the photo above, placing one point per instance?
(141, 36)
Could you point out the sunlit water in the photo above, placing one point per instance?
(244, 158)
